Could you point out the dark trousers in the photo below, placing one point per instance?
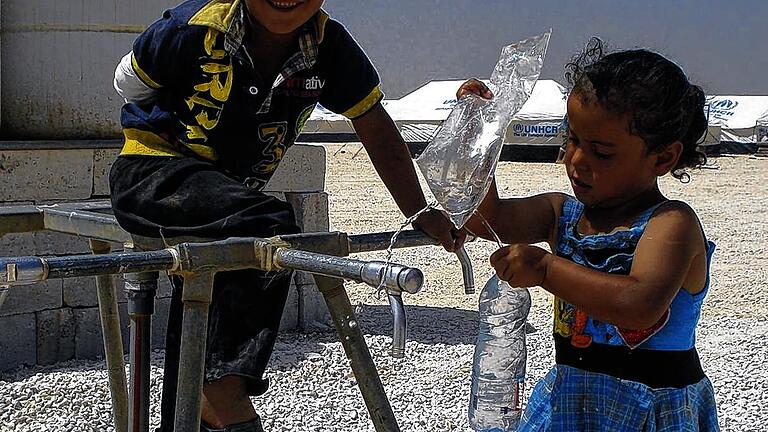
(164, 197)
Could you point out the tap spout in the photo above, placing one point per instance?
(399, 325)
(466, 271)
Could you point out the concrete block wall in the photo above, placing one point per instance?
(58, 320)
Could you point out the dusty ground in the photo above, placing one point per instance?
(312, 388)
(730, 196)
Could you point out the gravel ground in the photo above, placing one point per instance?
(312, 385)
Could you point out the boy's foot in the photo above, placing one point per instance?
(249, 426)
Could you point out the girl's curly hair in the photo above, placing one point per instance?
(662, 105)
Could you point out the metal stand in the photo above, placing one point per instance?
(318, 253)
(113, 341)
(197, 294)
(357, 351)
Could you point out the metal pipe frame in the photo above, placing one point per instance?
(394, 277)
(113, 344)
(140, 288)
(198, 263)
(230, 254)
(360, 360)
(196, 295)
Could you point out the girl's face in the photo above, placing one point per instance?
(283, 16)
(607, 165)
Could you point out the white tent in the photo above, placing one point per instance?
(419, 113)
(537, 122)
(540, 120)
(739, 119)
(324, 121)
(736, 123)
(762, 129)
(711, 139)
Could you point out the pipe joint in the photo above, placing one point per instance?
(22, 270)
(394, 277)
(141, 302)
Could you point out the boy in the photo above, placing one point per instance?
(217, 90)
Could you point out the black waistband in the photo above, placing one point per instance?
(654, 368)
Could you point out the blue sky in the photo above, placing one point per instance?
(722, 45)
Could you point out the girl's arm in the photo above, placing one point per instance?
(672, 244)
(517, 220)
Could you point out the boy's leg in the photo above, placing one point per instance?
(242, 327)
(166, 197)
(226, 402)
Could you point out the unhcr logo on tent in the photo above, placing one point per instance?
(725, 104)
(535, 130)
(722, 108)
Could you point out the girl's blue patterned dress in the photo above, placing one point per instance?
(573, 399)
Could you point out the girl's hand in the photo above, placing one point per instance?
(521, 265)
(474, 86)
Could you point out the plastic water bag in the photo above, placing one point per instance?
(459, 161)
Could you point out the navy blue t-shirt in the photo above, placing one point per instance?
(210, 102)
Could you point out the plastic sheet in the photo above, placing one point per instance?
(459, 161)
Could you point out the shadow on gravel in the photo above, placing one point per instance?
(72, 366)
(426, 325)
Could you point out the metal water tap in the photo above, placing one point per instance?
(399, 321)
(466, 271)
(396, 279)
(408, 238)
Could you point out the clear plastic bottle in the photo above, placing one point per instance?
(498, 369)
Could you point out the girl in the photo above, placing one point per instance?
(629, 268)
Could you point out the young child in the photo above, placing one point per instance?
(217, 91)
(629, 268)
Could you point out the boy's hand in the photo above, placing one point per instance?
(474, 86)
(437, 225)
(521, 265)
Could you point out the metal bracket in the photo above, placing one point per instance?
(265, 250)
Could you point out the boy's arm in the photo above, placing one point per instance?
(128, 84)
(392, 160)
(671, 245)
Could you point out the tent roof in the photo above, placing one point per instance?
(433, 101)
(736, 112)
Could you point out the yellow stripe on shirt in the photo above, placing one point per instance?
(322, 18)
(143, 75)
(364, 105)
(142, 143)
(204, 151)
(217, 14)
